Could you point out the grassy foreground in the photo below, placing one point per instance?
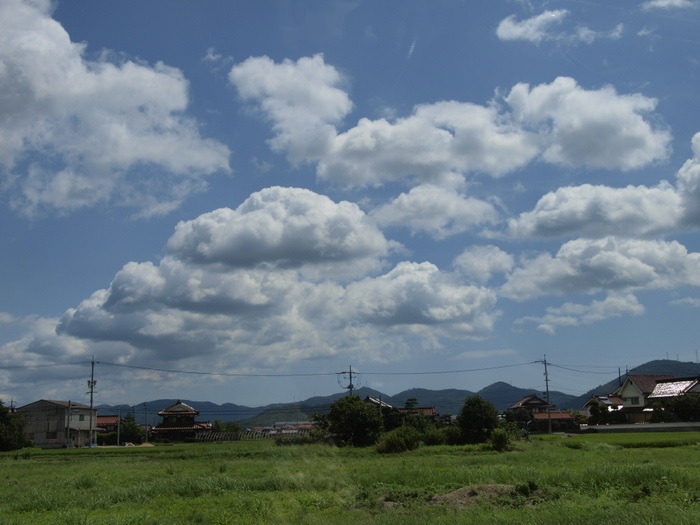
(630, 478)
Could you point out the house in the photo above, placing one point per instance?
(532, 404)
(108, 423)
(430, 412)
(179, 423)
(634, 392)
(609, 403)
(537, 415)
(59, 424)
(680, 386)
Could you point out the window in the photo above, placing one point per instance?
(81, 417)
(52, 435)
(634, 400)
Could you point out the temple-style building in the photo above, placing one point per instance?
(179, 424)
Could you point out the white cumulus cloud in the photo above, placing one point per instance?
(437, 211)
(302, 99)
(76, 132)
(598, 211)
(596, 128)
(594, 265)
(482, 262)
(573, 314)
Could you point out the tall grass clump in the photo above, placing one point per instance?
(401, 439)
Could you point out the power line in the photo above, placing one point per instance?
(225, 374)
(438, 372)
(43, 365)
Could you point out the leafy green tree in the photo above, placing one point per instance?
(685, 407)
(353, 422)
(130, 431)
(12, 424)
(411, 402)
(227, 426)
(477, 419)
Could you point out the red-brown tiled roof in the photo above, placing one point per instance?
(554, 415)
(646, 383)
(103, 421)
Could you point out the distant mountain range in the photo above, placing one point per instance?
(447, 401)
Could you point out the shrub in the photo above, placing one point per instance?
(303, 439)
(401, 439)
(500, 439)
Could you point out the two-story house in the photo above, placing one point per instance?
(59, 424)
(634, 392)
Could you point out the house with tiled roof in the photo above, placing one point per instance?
(532, 404)
(542, 415)
(609, 403)
(108, 423)
(676, 387)
(179, 424)
(634, 392)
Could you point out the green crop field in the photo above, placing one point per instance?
(625, 478)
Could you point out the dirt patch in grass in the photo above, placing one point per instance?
(494, 495)
(475, 495)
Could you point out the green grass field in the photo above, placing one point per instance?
(624, 478)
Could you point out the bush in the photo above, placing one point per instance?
(401, 439)
(500, 439)
(304, 439)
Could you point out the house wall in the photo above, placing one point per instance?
(631, 395)
(50, 425)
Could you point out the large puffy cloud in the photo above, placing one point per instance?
(573, 314)
(437, 211)
(225, 289)
(420, 295)
(586, 266)
(75, 132)
(302, 99)
(440, 143)
(597, 211)
(597, 128)
(284, 227)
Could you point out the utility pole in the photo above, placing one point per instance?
(350, 373)
(549, 405)
(145, 407)
(91, 385)
(119, 426)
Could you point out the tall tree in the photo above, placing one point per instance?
(353, 422)
(477, 420)
(130, 431)
(12, 424)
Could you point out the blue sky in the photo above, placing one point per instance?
(234, 201)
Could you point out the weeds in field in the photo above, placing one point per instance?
(549, 480)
